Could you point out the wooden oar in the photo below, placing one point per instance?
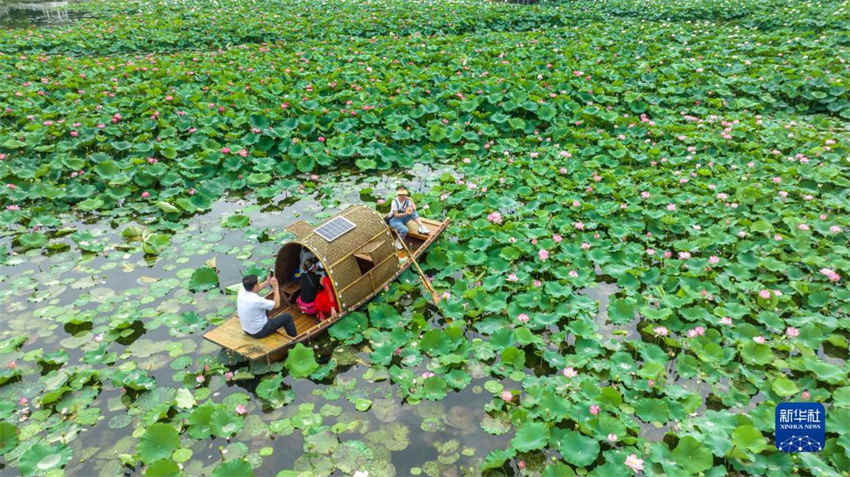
(434, 295)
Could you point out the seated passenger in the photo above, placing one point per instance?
(310, 287)
(325, 299)
(253, 309)
(403, 210)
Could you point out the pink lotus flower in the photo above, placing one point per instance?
(806, 395)
(192, 191)
(241, 409)
(644, 195)
(512, 277)
(612, 437)
(594, 409)
(522, 318)
(12, 364)
(74, 134)
(714, 259)
(543, 254)
(722, 196)
(13, 207)
(199, 378)
(650, 251)
(671, 207)
(668, 254)
(507, 396)
(660, 331)
(145, 194)
(726, 320)
(557, 238)
(634, 463)
(563, 170)
(495, 217)
(803, 227)
(698, 331)
(579, 225)
(23, 401)
(225, 150)
(169, 98)
(830, 274)
(765, 294)
(98, 337)
(570, 372)
(684, 255)
(835, 229)
(427, 374)
(573, 274)
(759, 339)
(243, 153)
(585, 245)
(537, 283)
(576, 203)
(792, 332)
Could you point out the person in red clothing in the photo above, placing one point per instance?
(316, 297)
(325, 300)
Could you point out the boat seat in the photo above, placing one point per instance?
(432, 225)
(290, 289)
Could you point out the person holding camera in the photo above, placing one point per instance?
(253, 309)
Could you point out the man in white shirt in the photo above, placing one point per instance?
(403, 210)
(253, 309)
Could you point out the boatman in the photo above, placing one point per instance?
(253, 309)
(403, 210)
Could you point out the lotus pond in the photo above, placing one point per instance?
(648, 249)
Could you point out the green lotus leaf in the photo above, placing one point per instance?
(692, 456)
(350, 328)
(784, 387)
(225, 422)
(578, 449)
(155, 244)
(233, 468)
(301, 362)
(236, 221)
(748, 438)
(203, 278)
(163, 468)
(434, 388)
(530, 436)
(158, 442)
(8, 437)
(40, 459)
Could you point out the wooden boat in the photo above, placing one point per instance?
(356, 249)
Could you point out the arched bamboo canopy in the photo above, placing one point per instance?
(357, 262)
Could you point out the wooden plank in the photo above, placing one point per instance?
(230, 335)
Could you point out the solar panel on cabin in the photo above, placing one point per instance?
(334, 228)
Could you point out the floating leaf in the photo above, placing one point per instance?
(300, 362)
(158, 442)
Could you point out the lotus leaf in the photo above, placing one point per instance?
(301, 362)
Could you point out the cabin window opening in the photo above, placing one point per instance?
(365, 264)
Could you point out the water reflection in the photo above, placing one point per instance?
(24, 14)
